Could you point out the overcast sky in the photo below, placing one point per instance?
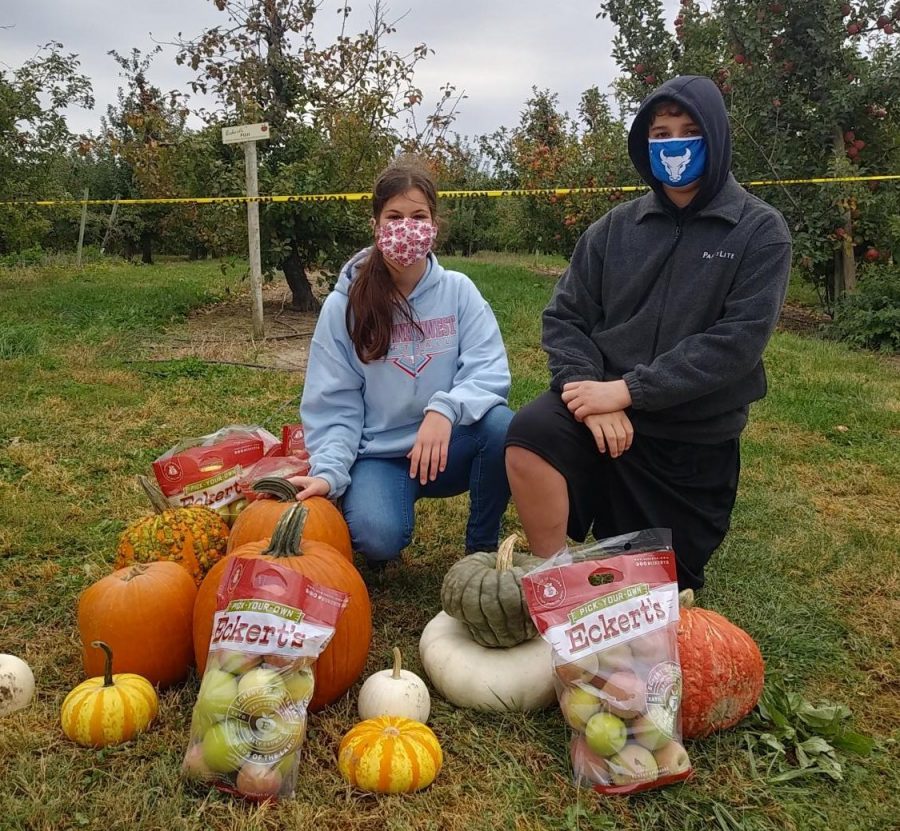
(494, 50)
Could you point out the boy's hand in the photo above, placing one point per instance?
(612, 432)
(428, 456)
(310, 486)
(584, 398)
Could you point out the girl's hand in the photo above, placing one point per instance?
(428, 456)
(584, 398)
(612, 431)
(310, 486)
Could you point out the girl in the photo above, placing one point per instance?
(406, 386)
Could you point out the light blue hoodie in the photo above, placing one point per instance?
(351, 409)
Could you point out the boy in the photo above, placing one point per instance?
(654, 336)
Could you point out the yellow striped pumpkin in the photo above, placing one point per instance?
(110, 709)
(390, 754)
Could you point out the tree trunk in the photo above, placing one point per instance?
(844, 261)
(147, 249)
(302, 298)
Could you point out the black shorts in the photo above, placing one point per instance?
(657, 483)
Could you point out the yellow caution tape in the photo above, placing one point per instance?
(447, 194)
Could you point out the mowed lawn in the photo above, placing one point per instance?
(811, 569)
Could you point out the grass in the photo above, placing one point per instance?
(810, 569)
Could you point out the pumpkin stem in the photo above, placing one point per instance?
(686, 598)
(505, 553)
(154, 494)
(281, 489)
(107, 666)
(396, 673)
(285, 541)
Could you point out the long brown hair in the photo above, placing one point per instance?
(374, 298)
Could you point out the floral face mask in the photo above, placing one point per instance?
(405, 241)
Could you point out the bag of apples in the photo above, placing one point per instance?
(249, 720)
(610, 612)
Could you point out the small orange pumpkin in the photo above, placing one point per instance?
(722, 668)
(390, 754)
(257, 521)
(145, 614)
(344, 659)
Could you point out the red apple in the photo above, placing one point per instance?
(625, 694)
(672, 759)
(258, 780)
(871, 255)
(587, 765)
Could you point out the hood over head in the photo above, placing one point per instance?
(699, 96)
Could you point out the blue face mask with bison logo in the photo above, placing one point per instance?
(678, 162)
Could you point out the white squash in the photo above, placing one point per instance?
(516, 679)
(394, 692)
(16, 684)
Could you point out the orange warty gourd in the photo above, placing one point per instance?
(722, 667)
(257, 521)
(390, 754)
(193, 537)
(145, 614)
(344, 659)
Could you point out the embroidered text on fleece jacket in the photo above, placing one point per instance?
(458, 369)
(678, 303)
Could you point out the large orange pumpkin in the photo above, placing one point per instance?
(257, 521)
(344, 659)
(144, 613)
(722, 667)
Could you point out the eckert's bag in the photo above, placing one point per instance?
(205, 470)
(249, 720)
(610, 613)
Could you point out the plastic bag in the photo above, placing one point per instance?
(249, 720)
(205, 470)
(610, 613)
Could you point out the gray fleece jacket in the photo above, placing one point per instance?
(678, 303)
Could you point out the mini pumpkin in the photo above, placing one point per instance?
(194, 537)
(110, 709)
(484, 591)
(16, 684)
(390, 754)
(257, 521)
(145, 614)
(344, 659)
(722, 668)
(394, 692)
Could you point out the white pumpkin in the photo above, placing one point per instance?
(16, 684)
(516, 679)
(394, 692)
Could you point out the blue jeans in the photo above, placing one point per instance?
(379, 503)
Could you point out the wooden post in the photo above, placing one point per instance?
(81, 230)
(248, 135)
(112, 221)
(252, 180)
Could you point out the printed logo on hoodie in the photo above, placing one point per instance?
(411, 352)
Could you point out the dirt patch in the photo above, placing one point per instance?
(223, 333)
(802, 320)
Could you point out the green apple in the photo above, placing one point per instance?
(299, 685)
(633, 764)
(238, 663)
(672, 759)
(217, 693)
(261, 680)
(259, 780)
(605, 734)
(647, 734)
(578, 705)
(225, 746)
